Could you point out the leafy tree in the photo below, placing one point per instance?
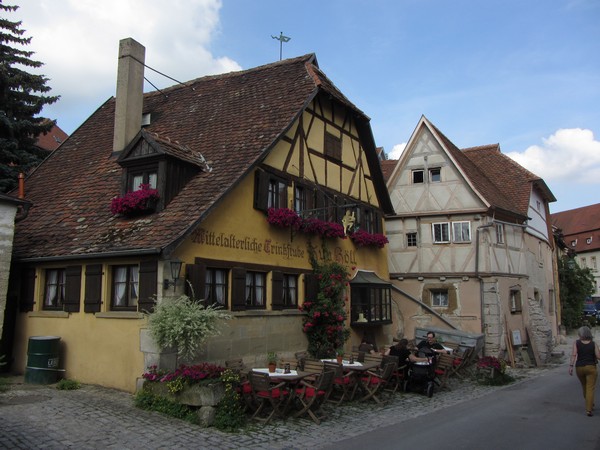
(575, 285)
(21, 99)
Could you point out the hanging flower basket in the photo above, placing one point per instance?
(142, 201)
(363, 239)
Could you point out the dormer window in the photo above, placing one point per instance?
(588, 241)
(573, 242)
(149, 177)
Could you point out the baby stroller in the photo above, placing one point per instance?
(421, 375)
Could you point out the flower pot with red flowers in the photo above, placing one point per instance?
(142, 201)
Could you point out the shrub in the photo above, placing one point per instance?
(68, 385)
(184, 324)
(230, 412)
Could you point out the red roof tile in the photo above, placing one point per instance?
(231, 119)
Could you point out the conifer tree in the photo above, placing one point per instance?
(21, 99)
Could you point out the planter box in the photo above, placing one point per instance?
(202, 397)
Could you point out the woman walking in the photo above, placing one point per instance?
(585, 356)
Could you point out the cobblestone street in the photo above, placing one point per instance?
(42, 417)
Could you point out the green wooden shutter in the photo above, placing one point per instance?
(92, 299)
(277, 290)
(72, 289)
(26, 297)
(147, 287)
(261, 190)
(311, 287)
(238, 289)
(195, 275)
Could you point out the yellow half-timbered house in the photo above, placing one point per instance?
(220, 151)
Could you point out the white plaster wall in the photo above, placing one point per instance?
(7, 230)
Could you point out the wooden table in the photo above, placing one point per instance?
(355, 370)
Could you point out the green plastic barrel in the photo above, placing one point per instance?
(42, 360)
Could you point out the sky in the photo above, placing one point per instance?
(524, 74)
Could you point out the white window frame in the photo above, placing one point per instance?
(499, 233)
(444, 232)
(411, 237)
(439, 298)
(458, 231)
(435, 172)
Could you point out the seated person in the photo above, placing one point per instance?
(430, 345)
(403, 353)
(366, 347)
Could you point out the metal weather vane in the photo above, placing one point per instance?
(281, 38)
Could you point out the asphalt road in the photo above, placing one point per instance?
(546, 412)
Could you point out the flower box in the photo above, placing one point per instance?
(139, 202)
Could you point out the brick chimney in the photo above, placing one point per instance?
(130, 91)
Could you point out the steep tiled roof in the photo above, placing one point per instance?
(52, 139)
(232, 120)
(581, 225)
(387, 167)
(502, 181)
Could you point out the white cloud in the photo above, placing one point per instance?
(571, 154)
(78, 41)
(397, 151)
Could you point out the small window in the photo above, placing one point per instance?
(333, 146)
(435, 175)
(461, 231)
(411, 239)
(418, 176)
(215, 289)
(303, 199)
(573, 242)
(583, 263)
(441, 233)
(515, 301)
(499, 233)
(255, 289)
(277, 194)
(593, 263)
(439, 298)
(55, 289)
(290, 290)
(588, 241)
(125, 290)
(139, 178)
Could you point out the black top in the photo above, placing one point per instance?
(586, 353)
(401, 353)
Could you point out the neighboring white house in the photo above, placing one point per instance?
(470, 244)
(581, 233)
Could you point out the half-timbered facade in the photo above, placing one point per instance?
(212, 155)
(470, 243)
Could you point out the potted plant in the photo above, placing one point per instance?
(339, 355)
(272, 361)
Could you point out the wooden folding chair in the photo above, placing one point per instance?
(397, 378)
(443, 369)
(267, 394)
(343, 383)
(374, 382)
(311, 396)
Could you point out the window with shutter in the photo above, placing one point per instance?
(54, 292)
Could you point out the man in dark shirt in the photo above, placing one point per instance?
(430, 344)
